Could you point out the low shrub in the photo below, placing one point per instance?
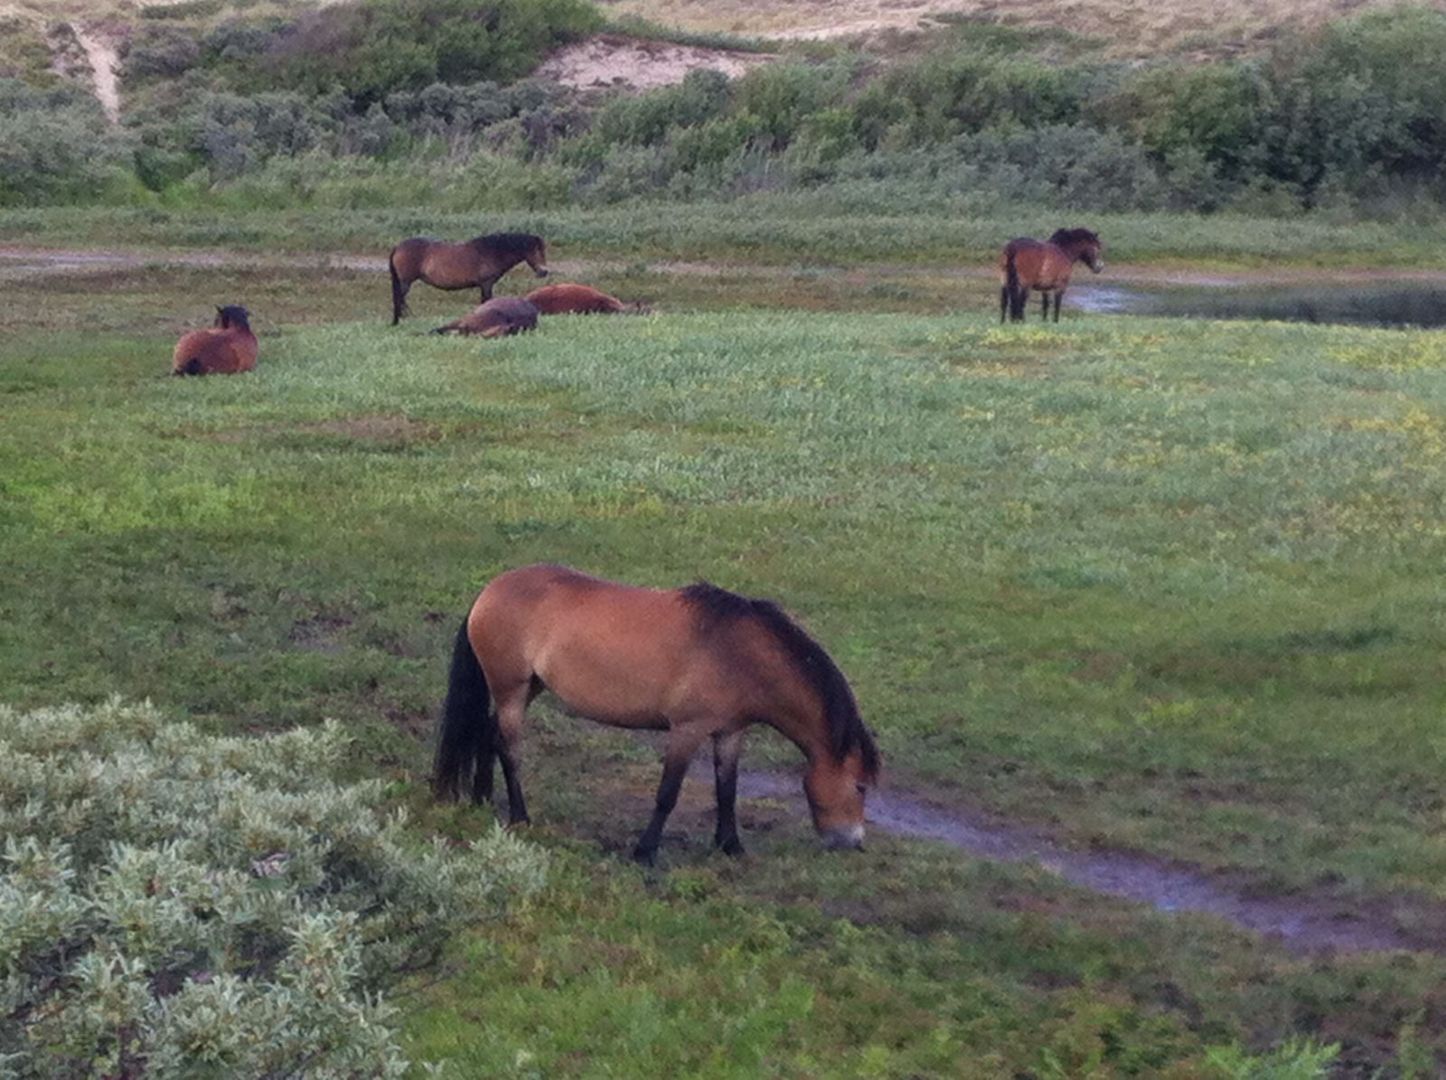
(173, 903)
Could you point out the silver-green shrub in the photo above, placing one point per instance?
(174, 904)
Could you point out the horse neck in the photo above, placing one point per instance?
(803, 724)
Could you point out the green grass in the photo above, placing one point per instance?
(1167, 585)
(768, 229)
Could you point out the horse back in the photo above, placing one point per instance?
(442, 265)
(1037, 264)
(624, 655)
(564, 299)
(214, 352)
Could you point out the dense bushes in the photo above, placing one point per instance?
(189, 905)
(423, 96)
(368, 48)
(55, 146)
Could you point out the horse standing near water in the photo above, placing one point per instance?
(226, 348)
(477, 263)
(699, 662)
(1026, 264)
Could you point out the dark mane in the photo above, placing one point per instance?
(519, 244)
(1069, 237)
(841, 712)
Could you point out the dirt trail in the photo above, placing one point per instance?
(104, 60)
(24, 261)
(1304, 923)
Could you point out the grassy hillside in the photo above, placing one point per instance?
(1144, 584)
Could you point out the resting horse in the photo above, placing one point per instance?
(499, 317)
(225, 349)
(699, 663)
(1026, 264)
(579, 300)
(477, 263)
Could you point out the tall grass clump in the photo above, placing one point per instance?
(173, 903)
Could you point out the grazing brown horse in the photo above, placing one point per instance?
(224, 349)
(477, 263)
(699, 663)
(1045, 267)
(578, 300)
(498, 317)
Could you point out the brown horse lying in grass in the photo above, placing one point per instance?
(699, 663)
(578, 300)
(477, 263)
(1045, 267)
(224, 349)
(498, 317)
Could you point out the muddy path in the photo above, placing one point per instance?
(1304, 922)
(19, 261)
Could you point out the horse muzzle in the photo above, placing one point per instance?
(541, 271)
(846, 839)
(1097, 266)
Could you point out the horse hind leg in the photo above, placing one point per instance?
(1058, 296)
(511, 712)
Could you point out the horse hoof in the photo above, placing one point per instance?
(645, 856)
(732, 848)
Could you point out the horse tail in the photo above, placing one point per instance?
(1011, 290)
(467, 731)
(399, 294)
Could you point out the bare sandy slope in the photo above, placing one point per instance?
(1130, 27)
(609, 61)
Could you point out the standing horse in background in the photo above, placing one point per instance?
(1045, 267)
(699, 663)
(225, 349)
(476, 263)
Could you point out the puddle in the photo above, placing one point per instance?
(1364, 303)
(1305, 924)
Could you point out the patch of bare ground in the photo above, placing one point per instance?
(610, 61)
(1323, 921)
(319, 633)
(20, 261)
(1124, 27)
(1319, 921)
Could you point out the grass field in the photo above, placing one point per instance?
(1159, 586)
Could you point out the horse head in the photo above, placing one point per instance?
(1081, 245)
(537, 258)
(836, 789)
(233, 317)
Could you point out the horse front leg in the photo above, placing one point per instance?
(1058, 296)
(726, 747)
(487, 284)
(675, 767)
